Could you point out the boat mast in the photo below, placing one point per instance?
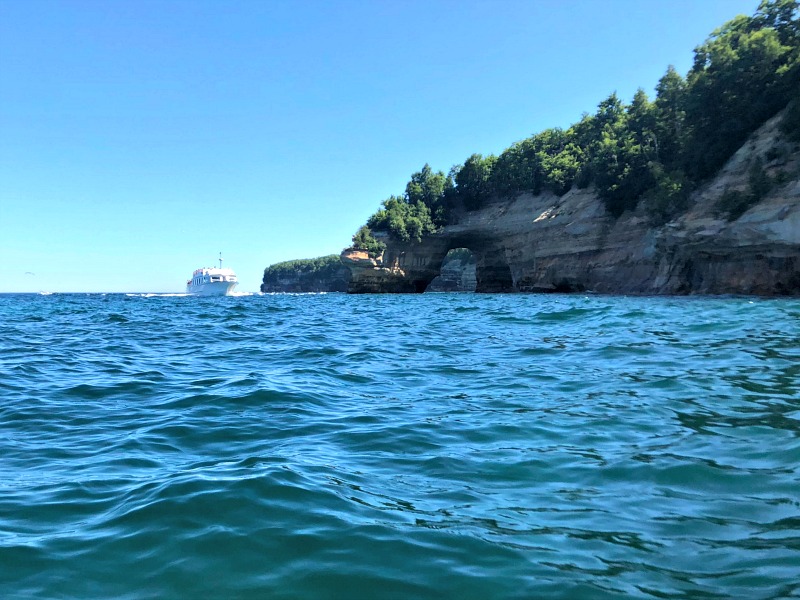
(220, 260)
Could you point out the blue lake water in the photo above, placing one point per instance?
(436, 446)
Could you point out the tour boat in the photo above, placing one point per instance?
(212, 281)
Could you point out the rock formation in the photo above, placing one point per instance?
(456, 275)
(325, 274)
(547, 243)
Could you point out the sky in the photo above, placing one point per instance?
(139, 139)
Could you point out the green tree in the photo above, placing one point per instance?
(780, 15)
(670, 117)
(743, 74)
(555, 155)
(584, 136)
(641, 122)
(364, 240)
(473, 181)
(402, 220)
(517, 169)
(669, 195)
(428, 188)
(623, 153)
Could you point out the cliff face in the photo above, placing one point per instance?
(299, 281)
(570, 243)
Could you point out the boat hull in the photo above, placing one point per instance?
(214, 288)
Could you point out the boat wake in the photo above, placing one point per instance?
(185, 294)
(165, 295)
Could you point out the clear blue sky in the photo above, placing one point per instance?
(140, 138)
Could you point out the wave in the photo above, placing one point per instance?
(456, 446)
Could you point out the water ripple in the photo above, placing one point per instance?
(445, 446)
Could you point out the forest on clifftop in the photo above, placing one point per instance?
(653, 151)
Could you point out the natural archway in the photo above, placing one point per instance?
(409, 267)
(457, 273)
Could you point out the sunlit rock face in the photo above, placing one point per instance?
(546, 243)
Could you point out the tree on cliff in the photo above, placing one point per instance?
(364, 240)
(421, 211)
(473, 180)
(670, 117)
(743, 74)
(323, 274)
(428, 189)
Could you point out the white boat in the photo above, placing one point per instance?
(212, 281)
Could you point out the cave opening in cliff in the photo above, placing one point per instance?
(457, 273)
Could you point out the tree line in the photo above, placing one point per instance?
(323, 267)
(656, 150)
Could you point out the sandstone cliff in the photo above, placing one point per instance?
(570, 243)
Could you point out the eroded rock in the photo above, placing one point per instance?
(547, 243)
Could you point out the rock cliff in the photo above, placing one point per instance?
(325, 274)
(301, 283)
(547, 243)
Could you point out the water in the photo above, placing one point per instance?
(436, 446)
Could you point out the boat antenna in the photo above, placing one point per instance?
(220, 260)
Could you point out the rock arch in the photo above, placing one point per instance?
(457, 273)
(409, 267)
